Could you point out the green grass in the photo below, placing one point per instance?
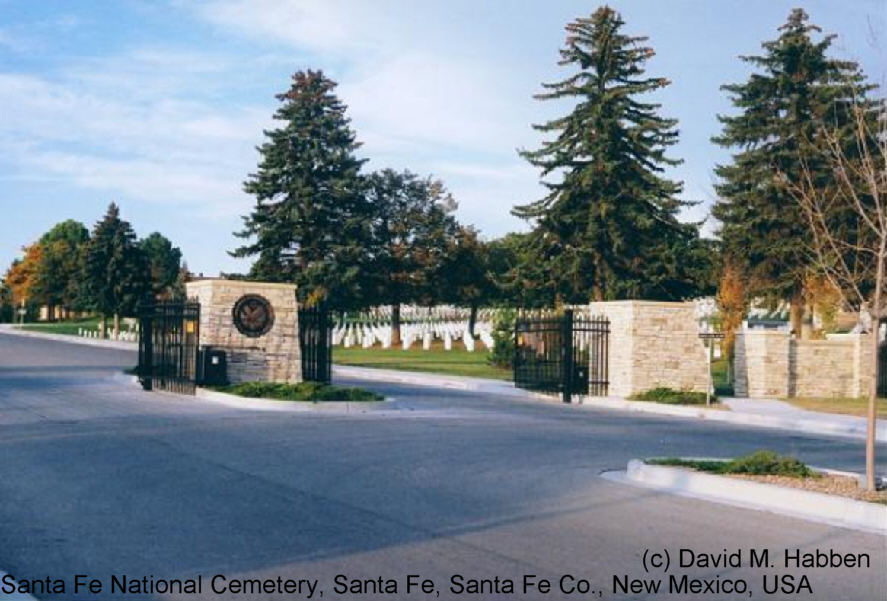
(303, 391)
(670, 396)
(457, 362)
(759, 463)
(68, 327)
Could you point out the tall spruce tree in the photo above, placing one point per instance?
(115, 270)
(310, 224)
(796, 86)
(608, 229)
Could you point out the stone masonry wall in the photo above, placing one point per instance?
(653, 344)
(761, 363)
(272, 357)
(621, 343)
(773, 364)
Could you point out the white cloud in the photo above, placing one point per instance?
(434, 99)
(416, 96)
(338, 26)
(128, 126)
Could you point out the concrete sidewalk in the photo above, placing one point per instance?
(782, 410)
(760, 413)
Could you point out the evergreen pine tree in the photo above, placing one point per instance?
(309, 225)
(164, 262)
(796, 88)
(608, 229)
(115, 270)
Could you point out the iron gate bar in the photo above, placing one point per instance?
(169, 335)
(316, 342)
(882, 369)
(566, 354)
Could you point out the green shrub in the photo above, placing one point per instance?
(759, 463)
(670, 396)
(502, 354)
(769, 463)
(303, 391)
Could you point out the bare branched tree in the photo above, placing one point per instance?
(847, 219)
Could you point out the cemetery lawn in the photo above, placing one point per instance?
(457, 362)
(843, 406)
(68, 327)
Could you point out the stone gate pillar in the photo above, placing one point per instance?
(653, 344)
(256, 323)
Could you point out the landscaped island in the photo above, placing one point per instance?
(303, 391)
(770, 467)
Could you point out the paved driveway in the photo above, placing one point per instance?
(99, 478)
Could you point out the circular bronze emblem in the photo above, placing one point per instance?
(253, 315)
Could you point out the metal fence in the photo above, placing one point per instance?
(882, 370)
(565, 354)
(316, 342)
(169, 335)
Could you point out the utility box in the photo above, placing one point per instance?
(213, 367)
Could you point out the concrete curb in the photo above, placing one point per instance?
(804, 504)
(112, 344)
(809, 426)
(329, 407)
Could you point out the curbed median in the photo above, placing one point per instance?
(805, 504)
(266, 404)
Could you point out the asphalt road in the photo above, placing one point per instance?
(100, 478)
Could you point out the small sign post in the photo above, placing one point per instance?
(708, 339)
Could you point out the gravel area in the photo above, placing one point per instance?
(833, 485)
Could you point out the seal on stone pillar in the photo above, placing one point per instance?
(253, 315)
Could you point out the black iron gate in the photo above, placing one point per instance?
(316, 341)
(565, 354)
(882, 370)
(169, 334)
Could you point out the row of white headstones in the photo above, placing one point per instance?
(124, 335)
(367, 335)
(128, 333)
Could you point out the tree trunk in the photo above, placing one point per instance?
(796, 314)
(395, 324)
(116, 326)
(472, 319)
(872, 414)
(103, 326)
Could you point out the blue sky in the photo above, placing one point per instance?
(159, 105)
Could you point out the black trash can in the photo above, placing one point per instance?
(213, 367)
